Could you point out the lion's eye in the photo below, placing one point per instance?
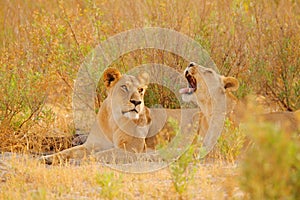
(208, 71)
(124, 87)
(141, 90)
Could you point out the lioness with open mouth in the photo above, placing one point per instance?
(212, 93)
(197, 92)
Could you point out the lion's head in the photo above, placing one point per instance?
(126, 93)
(197, 92)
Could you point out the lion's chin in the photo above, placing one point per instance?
(131, 115)
(187, 94)
(188, 97)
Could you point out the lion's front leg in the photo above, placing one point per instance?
(129, 143)
(77, 152)
(151, 143)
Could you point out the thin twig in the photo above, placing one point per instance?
(278, 99)
(66, 19)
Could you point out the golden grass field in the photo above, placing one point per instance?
(92, 181)
(43, 44)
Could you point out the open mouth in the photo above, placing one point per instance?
(192, 85)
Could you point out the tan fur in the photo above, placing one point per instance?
(235, 110)
(251, 108)
(123, 122)
(189, 117)
(224, 86)
(288, 121)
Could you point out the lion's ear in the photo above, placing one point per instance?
(230, 83)
(144, 78)
(111, 77)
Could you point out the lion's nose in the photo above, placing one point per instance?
(135, 102)
(186, 72)
(192, 64)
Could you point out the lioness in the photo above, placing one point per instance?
(235, 110)
(199, 80)
(123, 121)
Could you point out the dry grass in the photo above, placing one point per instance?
(43, 43)
(33, 180)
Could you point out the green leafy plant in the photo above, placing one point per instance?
(183, 171)
(39, 194)
(21, 107)
(231, 142)
(271, 168)
(111, 185)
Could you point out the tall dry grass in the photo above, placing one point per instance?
(42, 45)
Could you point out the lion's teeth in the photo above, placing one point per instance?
(186, 90)
(183, 90)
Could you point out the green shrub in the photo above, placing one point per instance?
(110, 185)
(22, 97)
(182, 171)
(271, 168)
(231, 142)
